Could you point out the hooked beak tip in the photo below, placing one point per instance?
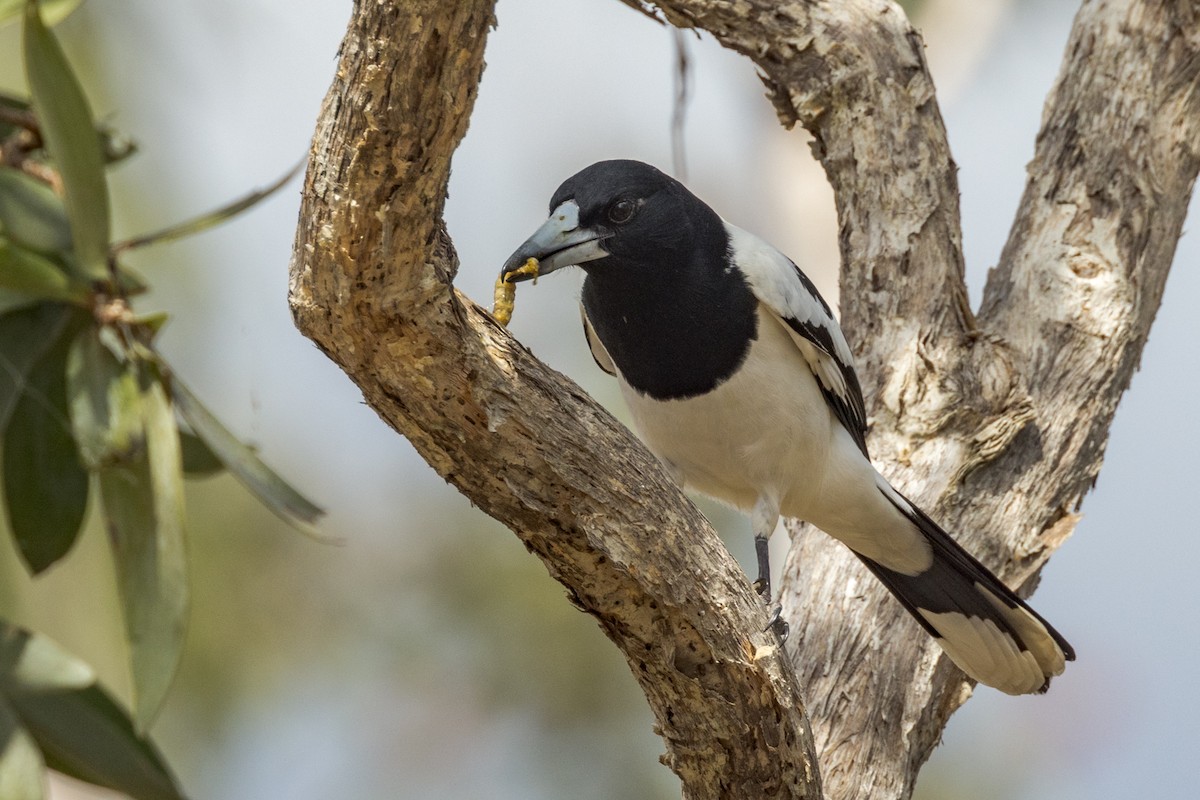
(559, 242)
(515, 262)
(529, 269)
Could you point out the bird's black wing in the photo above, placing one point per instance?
(784, 289)
(845, 395)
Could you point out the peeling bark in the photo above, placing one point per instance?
(997, 424)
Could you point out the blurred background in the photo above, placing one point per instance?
(429, 656)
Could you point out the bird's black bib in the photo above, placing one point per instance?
(674, 331)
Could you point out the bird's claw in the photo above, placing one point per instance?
(777, 623)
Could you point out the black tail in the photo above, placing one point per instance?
(989, 632)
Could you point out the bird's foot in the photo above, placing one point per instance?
(777, 623)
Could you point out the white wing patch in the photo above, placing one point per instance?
(823, 366)
(776, 281)
(780, 286)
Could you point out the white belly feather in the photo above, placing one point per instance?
(735, 445)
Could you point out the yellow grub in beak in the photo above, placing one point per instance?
(506, 290)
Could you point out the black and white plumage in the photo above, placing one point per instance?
(739, 379)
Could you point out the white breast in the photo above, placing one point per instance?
(767, 431)
(749, 436)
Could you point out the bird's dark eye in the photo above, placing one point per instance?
(621, 211)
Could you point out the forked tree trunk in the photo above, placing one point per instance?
(1008, 410)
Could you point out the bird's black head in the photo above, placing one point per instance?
(674, 313)
(622, 209)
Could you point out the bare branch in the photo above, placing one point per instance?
(371, 286)
(1083, 272)
(998, 426)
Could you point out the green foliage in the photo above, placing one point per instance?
(274, 492)
(45, 485)
(71, 138)
(21, 764)
(199, 461)
(143, 495)
(32, 215)
(72, 141)
(210, 220)
(105, 403)
(25, 273)
(53, 700)
(86, 399)
(53, 12)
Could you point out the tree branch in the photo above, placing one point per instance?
(371, 286)
(1082, 275)
(997, 426)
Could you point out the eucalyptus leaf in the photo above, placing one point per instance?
(32, 214)
(25, 335)
(104, 400)
(13, 301)
(81, 731)
(199, 461)
(211, 219)
(70, 135)
(153, 322)
(13, 104)
(243, 462)
(45, 484)
(22, 771)
(53, 11)
(129, 282)
(143, 501)
(28, 273)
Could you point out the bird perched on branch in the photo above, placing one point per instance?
(739, 379)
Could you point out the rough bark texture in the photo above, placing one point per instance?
(1009, 411)
(371, 285)
(1000, 426)
(997, 425)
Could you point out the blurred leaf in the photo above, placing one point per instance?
(13, 301)
(71, 138)
(53, 11)
(79, 728)
(130, 283)
(105, 403)
(45, 485)
(143, 500)
(153, 322)
(115, 145)
(162, 589)
(209, 220)
(267, 486)
(12, 101)
(25, 336)
(32, 214)
(198, 458)
(22, 772)
(15, 107)
(32, 275)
